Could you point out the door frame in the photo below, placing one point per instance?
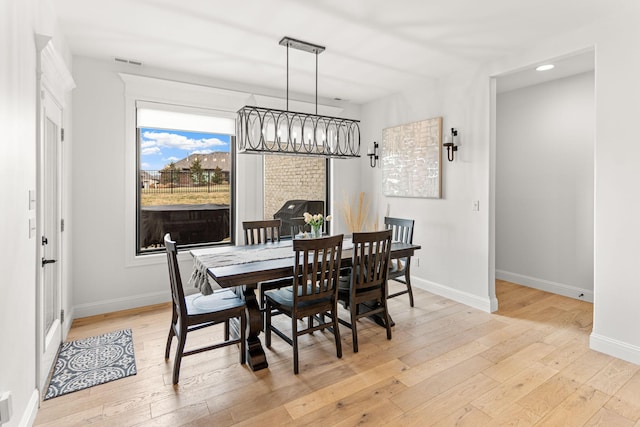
(53, 83)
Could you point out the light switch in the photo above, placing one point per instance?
(5, 407)
(476, 206)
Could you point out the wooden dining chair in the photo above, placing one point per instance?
(264, 231)
(400, 270)
(198, 311)
(313, 292)
(367, 287)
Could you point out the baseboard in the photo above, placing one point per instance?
(67, 324)
(546, 285)
(117, 304)
(30, 412)
(615, 348)
(485, 304)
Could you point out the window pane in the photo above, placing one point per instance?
(292, 178)
(184, 188)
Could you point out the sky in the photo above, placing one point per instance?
(158, 147)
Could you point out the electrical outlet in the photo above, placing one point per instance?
(5, 407)
(416, 261)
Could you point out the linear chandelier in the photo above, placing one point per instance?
(270, 131)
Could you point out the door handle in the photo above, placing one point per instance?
(47, 261)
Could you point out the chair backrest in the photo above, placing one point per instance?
(177, 292)
(370, 262)
(298, 225)
(265, 231)
(316, 268)
(402, 229)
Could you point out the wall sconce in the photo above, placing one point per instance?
(373, 155)
(450, 144)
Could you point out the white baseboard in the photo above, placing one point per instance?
(117, 304)
(546, 285)
(67, 323)
(30, 412)
(485, 304)
(615, 348)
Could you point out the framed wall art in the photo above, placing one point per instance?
(412, 159)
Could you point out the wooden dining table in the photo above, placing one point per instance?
(243, 267)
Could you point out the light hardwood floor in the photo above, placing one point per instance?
(447, 364)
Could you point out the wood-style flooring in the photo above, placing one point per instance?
(447, 364)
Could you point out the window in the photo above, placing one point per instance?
(185, 176)
(294, 185)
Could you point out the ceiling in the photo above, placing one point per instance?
(373, 47)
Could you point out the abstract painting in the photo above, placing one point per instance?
(411, 159)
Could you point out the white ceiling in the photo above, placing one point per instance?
(563, 67)
(373, 47)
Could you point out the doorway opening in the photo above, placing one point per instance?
(543, 137)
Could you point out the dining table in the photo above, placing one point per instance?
(242, 267)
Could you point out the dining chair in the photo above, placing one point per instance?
(313, 292)
(367, 287)
(264, 231)
(400, 270)
(197, 311)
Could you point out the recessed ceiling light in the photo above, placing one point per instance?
(545, 67)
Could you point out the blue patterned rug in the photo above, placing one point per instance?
(91, 361)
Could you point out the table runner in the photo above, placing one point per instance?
(244, 254)
(200, 279)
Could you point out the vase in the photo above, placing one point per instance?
(316, 231)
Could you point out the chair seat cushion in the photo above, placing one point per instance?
(284, 297)
(223, 299)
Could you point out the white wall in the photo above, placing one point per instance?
(454, 239)
(458, 259)
(19, 21)
(104, 280)
(544, 186)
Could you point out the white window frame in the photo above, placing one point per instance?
(142, 88)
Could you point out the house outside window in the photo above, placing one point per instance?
(186, 173)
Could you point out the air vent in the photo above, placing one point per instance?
(128, 61)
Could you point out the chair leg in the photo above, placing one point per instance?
(407, 279)
(243, 338)
(294, 335)
(354, 327)
(310, 322)
(169, 339)
(387, 320)
(226, 330)
(267, 325)
(336, 331)
(172, 332)
(182, 336)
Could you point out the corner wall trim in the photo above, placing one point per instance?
(546, 285)
(484, 304)
(615, 348)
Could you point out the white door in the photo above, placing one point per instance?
(49, 262)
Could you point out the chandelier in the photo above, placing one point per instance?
(270, 131)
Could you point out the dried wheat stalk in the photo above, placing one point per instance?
(355, 223)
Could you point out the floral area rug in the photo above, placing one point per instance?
(92, 361)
